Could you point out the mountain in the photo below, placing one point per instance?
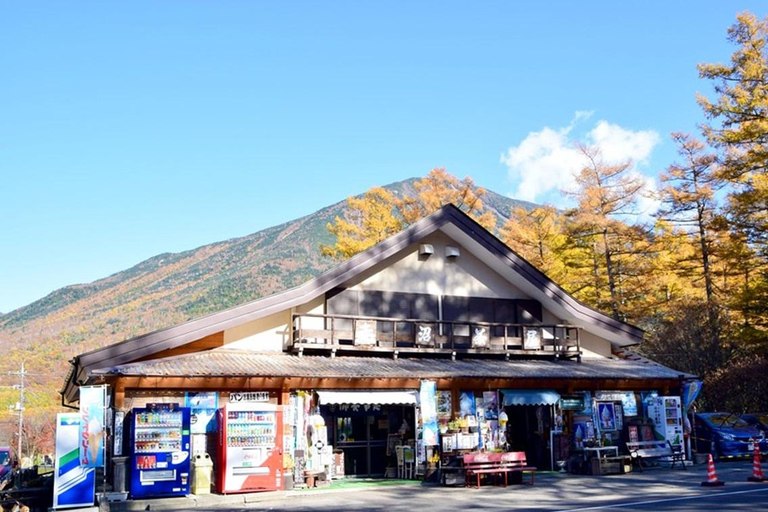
(172, 288)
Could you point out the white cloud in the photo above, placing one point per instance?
(619, 145)
(546, 161)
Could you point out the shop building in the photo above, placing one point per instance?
(439, 339)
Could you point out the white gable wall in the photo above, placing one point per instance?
(438, 275)
(407, 272)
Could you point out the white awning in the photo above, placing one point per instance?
(368, 397)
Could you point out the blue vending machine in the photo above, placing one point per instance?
(160, 453)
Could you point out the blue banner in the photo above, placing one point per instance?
(428, 403)
(691, 390)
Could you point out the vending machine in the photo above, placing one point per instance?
(667, 418)
(160, 453)
(250, 448)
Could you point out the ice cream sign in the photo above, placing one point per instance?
(93, 428)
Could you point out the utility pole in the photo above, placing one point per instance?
(20, 405)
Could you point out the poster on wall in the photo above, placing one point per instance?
(467, 403)
(491, 404)
(202, 406)
(93, 427)
(444, 405)
(428, 404)
(606, 417)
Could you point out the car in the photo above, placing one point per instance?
(726, 435)
(757, 419)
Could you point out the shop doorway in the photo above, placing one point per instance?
(363, 434)
(528, 429)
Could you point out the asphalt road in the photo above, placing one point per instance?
(656, 490)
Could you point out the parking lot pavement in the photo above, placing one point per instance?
(656, 490)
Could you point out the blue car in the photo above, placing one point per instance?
(726, 435)
(759, 420)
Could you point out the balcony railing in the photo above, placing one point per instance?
(335, 333)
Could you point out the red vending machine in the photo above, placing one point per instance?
(250, 448)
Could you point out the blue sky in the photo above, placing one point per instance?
(128, 129)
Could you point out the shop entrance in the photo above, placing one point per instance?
(363, 433)
(528, 429)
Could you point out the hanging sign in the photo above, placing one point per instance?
(93, 431)
(572, 403)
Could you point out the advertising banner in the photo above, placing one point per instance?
(73, 485)
(93, 428)
(691, 391)
(428, 402)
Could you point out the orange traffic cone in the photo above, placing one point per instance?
(757, 468)
(711, 480)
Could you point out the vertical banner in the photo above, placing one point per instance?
(691, 389)
(73, 485)
(93, 431)
(428, 402)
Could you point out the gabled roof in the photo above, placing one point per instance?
(449, 219)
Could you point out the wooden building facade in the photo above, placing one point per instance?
(443, 301)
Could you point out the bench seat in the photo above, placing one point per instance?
(476, 464)
(641, 451)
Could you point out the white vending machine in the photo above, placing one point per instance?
(667, 416)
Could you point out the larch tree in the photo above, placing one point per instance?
(538, 235)
(606, 192)
(738, 127)
(367, 221)
(379, 214)
(439, 188)
(688, 203)
(739, 123)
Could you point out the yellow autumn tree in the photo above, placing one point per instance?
(439, 188)
(538, 235)
(378, 215)
(367, 221)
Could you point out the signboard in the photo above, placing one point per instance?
(118, 437)
(249, 396)
(93, 431)
(532, 339)
(572, 403)
(480, 337)
(365, 332)
(73, 484)
(425, 335)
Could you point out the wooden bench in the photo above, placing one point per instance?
(496, 463)
(643, 450)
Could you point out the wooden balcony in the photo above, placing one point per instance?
(354, 334)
